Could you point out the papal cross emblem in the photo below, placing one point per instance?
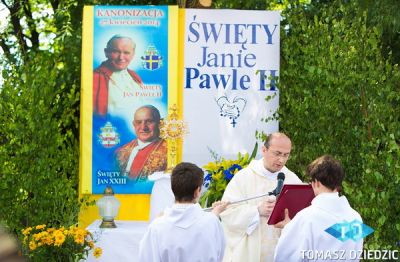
(152, 60)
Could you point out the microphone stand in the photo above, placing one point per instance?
(275, 192)
(208, 209)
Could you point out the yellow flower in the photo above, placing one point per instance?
(76, 240)
(79, 239)
(217, 175)
(47, 240)
(58, 232)
(59, 239)
(81, 231)
(26, 231)
(97, 252)
(32, 245)
(37, 236)
(39, 227)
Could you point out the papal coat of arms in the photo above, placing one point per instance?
(108, 136)
(152, 60)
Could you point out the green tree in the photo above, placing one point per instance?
(39, 114)
(382, 14)
(340, 95)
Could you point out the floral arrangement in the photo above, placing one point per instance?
(219, 173)
(59, 244)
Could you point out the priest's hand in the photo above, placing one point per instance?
(283, 223)
(219, 207)
(265, 208)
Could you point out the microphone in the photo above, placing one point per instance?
(275, 192)
(281, 179)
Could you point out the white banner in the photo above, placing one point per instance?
(230, 60)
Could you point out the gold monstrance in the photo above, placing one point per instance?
(172, 130)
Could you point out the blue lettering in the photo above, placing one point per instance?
(272, 76)
(269, 34)
(250, 57)
(221, 78)
(211, 59)
(206, 81)
(189, 76)
(254, 33)
(213, 32)
(193, 31)
(240, 34)
(243, 80)
(227, 34)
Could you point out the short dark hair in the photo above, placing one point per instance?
(185, 179)
(328, 171)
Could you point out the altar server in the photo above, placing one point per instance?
(185, 232)
(304, 238)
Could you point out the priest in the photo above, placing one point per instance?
(249, 237)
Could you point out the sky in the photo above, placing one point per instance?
(4, 13)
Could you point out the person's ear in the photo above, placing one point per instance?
(264, 149)
(313, 184)
(197, 193)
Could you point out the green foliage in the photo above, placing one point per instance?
(39, 150)
(340, 96)
(385, 15)
(39, 125)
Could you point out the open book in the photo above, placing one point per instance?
(292, 197)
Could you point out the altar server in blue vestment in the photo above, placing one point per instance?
(185, 232)
(304, 238)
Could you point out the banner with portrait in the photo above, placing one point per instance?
(231, 61)
(126, 57)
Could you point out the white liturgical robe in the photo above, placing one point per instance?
(304, 238)
(184, 233)
(248, 236)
